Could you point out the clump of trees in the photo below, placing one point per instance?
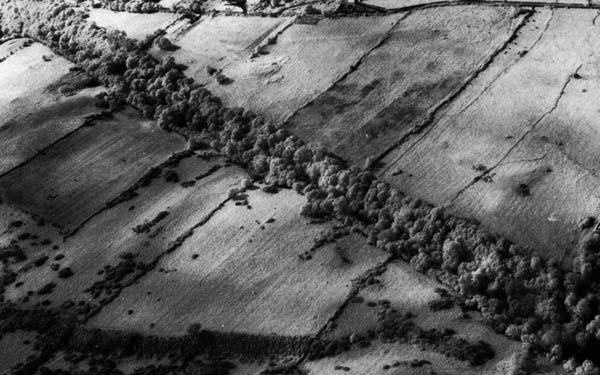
(133, 6)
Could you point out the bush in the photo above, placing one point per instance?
(65, 273)
(165, 44)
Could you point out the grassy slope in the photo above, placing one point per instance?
(75, 177)
(247, 276)
(304, 62)
(427, 56)
(491, 121)
(110, 233)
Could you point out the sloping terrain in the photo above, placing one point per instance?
(127, 248)
(41, 100)
(217, 42)
(497, 154)
(402, 289)
(424, 59)
(304, 61)
(241, 272)
(130, 227)
(135, 25)
(75, 177)
(15, 348)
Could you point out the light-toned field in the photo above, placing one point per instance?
(530, 120)
(105, 237)
(408, 291)
(75, 177)
(33, 111)
(303, 63)
(400, 4)
(372, 360)
(428, 55)
(246, 277)
(126, 365)
(217, 42)
(135, 25)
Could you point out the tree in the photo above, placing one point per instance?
(239, 3)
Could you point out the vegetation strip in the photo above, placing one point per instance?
(553, 310)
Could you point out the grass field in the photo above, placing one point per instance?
(427, 55)
(135, 25)
(303, 63)
(241, 272)
(514, 121)
(218, 42)
(75, 177)
(15, 347)
(103, 239)
(408, 291)
(34, 112)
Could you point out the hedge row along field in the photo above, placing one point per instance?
(552, 310)
(147, 6)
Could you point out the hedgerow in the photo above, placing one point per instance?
(554, 309)
(133, 6)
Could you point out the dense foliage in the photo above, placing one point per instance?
(134, 6)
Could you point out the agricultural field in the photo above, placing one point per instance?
(75, 177)
(217, 42)
(135, 25)
(131, 227)
(425, 58)
(241, 272)
(402, 289)
(524, 174)
(33, 76)
(311, 188)
(15, 347)
(306, 57)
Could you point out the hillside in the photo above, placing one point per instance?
(382, 187)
